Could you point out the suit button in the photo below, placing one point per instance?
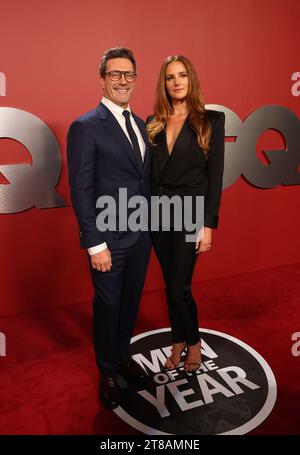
(142, 181)
(80, 234)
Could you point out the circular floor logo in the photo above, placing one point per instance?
(233, 391)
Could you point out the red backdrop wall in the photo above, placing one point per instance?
(245, 53)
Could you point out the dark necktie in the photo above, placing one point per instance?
(134, 141)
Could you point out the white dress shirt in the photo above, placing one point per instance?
(117, 111)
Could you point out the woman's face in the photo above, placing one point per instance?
(177, 82)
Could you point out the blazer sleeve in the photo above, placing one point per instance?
(215, 169)
(81, 154)
(149, 118)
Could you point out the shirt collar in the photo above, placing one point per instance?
(114, 108)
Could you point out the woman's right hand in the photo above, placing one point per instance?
(203, 240)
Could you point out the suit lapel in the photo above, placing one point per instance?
(182, 142)
(143, 131)
(163, 158)
(112, 125)
(183, 138)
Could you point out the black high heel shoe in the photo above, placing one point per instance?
(195, 365)
(171, 359)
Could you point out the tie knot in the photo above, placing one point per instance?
(126, 114)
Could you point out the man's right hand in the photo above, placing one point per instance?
(101, 261)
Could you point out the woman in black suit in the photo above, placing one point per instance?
(188, 160)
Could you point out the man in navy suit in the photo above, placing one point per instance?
(107, 150)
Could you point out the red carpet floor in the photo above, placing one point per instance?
(48, 379)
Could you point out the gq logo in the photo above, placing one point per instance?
(232, 392)
(34, 185)
(30, 185)
(241, 156)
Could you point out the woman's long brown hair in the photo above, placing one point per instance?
(163, 105)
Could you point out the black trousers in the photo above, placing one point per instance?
(177, 259)
(116, 302)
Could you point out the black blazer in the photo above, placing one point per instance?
(100, 161)
(187, 171)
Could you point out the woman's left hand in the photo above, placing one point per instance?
(203, 242)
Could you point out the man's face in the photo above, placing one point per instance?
(118, 92)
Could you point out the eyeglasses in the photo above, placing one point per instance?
(115, 76)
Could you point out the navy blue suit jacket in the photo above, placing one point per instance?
(100, 161)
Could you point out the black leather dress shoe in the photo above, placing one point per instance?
(132, 370)
(109, 392)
